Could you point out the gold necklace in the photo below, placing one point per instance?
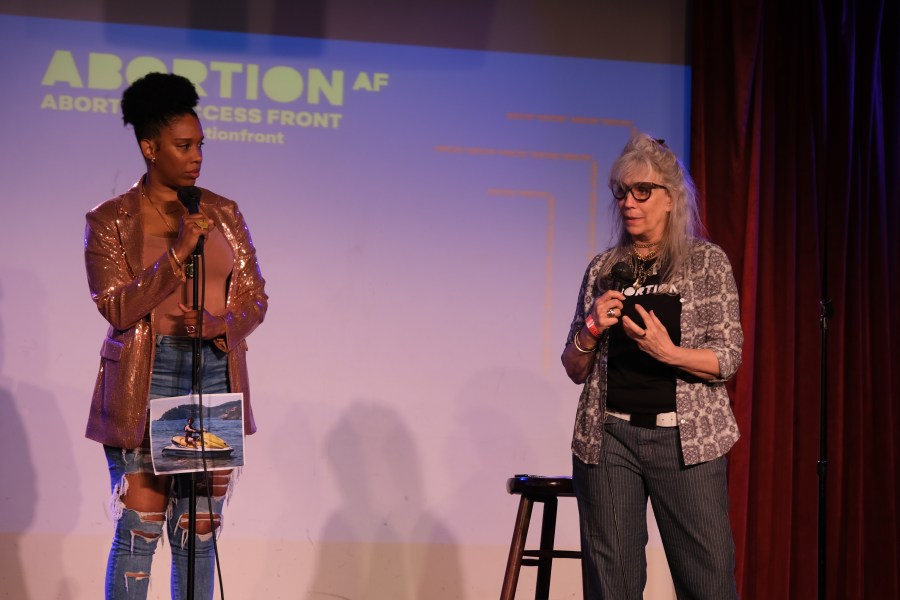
(156, 208)
(645, 245)
(643, 266)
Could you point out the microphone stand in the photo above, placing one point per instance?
(190, 198)
(196, 388)
(826, 312)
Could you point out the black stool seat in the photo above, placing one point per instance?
(535, 488)
(539, 485)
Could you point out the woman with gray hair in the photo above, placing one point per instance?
(656, 334)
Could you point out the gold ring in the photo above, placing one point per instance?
(203, 224)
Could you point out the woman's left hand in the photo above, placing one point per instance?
(213, 326)
(653, 338)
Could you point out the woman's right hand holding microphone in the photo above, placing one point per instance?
(578, 356)
(191, 228)
(606, 312)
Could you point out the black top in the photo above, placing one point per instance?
(637, 382)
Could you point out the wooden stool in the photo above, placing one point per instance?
(535, 488)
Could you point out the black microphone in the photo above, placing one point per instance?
(622, 276)
(190, 197)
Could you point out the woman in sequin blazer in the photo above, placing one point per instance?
(140, 259)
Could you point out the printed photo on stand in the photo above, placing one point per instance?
(179, 438)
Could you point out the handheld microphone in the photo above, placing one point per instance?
(622, 276)
(189, 196)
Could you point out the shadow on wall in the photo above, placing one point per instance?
(381, 542)
(35, 446)
(506, 421)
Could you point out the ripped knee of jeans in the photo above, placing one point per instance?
(142, 527)
(215, 490)
(116, 505)
(135, 576)
(203, 528)
(146, 526)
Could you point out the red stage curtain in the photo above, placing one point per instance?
(795, 148)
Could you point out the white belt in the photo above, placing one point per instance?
(669, 419)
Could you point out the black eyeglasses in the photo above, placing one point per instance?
(640, 190)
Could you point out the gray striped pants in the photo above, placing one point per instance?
(690, 505)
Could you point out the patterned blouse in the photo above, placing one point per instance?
(710, 318)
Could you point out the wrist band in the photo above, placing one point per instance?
(579, 347)
(592, 326)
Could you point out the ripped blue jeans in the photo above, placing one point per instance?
(137, 533)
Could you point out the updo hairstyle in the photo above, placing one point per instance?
(155, 100)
